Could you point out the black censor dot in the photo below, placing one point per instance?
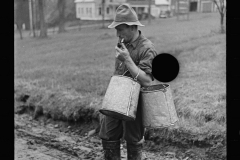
(165, 67)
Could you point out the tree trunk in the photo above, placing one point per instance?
(61, 9)
(221, 10)
(19, 27)
(33, 17)
(17, 18)
(43, 27)
(222, 25)
(103, 13)
(149, 11)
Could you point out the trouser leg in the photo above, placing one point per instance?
(111, 150)
(111, 132)
(111, 129)
(134, 151)
(134, 132)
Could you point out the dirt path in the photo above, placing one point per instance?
(39, 140)
(44, 140)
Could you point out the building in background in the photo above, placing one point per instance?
(92, 9)
(203, 6)
(141, 6)
(157, 7)
(207, 6)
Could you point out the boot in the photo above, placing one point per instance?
(134, 151)
(111, 150)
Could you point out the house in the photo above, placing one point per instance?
(163, 5)
(157, 6)
(196, 5)
(204, 5)
(92, 9)
(207, 6)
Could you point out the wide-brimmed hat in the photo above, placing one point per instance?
(125, 15)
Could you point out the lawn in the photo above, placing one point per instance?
(67, 74)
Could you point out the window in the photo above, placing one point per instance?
(90, 10)
(79, 10)
(99, 11)
(107, 10)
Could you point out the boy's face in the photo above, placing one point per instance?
(125, 31)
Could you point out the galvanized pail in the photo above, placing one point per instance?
(157, 106)
(121, 98)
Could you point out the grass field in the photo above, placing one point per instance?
(67, 74)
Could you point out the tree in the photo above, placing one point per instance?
(221, 6)
(103, 13)
(18, 7)
(31, 16)
(149, 11)
(43, 27)
(61, 10)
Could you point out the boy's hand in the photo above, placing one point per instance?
(122, 54)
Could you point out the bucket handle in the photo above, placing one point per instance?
(136, 75)
(125, 72)
(131, 93)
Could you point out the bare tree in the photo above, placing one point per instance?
(221, 6)
(43, 27)
(61, 9)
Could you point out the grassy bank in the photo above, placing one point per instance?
(67, 74)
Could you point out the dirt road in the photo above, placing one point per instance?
(48, 141)
(45, 139)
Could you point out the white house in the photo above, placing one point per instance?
(163, 5)
(157, 6)
(92, 9)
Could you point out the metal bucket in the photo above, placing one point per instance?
(157, 106)
(121, 98)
